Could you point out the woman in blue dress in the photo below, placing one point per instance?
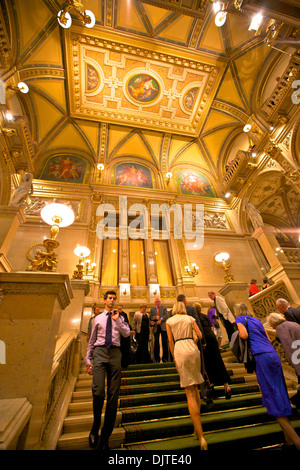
(268, 371)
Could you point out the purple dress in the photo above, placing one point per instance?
(268, 369)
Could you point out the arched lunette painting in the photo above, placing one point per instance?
(133, 174)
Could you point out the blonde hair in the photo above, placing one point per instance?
(198, 307)
(179, 308)
(242, 309)
(274, 319)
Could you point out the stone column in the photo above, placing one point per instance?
(270, 246)
(10, 219)
(30, 311)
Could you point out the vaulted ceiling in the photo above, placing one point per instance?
(154, 82)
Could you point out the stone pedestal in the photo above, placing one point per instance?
(10, 219)
(235, 293)
(14, 417)
(30, 313)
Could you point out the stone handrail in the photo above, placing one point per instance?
(61, 384)
(264, 302)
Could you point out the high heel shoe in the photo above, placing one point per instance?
(228, 393)
(196, 435)
(203, 444)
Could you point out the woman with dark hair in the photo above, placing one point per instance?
(268, 371)
(214, 364)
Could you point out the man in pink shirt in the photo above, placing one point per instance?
(103, 359)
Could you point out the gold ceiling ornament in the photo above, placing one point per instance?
(56, 215)
(86, 16)
(222, 260)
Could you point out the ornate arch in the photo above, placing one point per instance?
(277, 200)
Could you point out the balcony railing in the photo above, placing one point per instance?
(239, 171)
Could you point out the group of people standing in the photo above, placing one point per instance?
(189, 337)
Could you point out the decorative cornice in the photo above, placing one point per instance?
(24, 283)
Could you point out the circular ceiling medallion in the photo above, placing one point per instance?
(143, 88)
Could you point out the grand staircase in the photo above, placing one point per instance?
(153, 413)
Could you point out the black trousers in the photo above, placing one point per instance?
(229, 327)
(106, 365)
(164, 340)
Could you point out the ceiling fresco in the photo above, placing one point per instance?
(154, 83)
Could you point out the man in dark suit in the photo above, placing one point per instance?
(290, 313)
(158, 318)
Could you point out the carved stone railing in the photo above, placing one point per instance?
(288, 369)
(292, 254)
(239, 171)
(283, 87)
(61, 385)
(264, 302)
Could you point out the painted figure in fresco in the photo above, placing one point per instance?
(193, 183)
(65, 168)
(133, 175)
(143, 88)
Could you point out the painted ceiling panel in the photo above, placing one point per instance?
(47, 52)
(144, 82)
(178, 31)
(238, 30)
(127, 18)
(91, 131)
(156, 16)
(248, 66)
(211, 38)
(47, 120)
(228, 91)
(135, 146)
(53, 89)
(193, 155)
(215, 141)
(217, 119)
(69, 137)
(116, 136)
(31, 26)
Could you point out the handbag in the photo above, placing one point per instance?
(249, 361)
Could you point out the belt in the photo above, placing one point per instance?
(181, 339)
(111, 347)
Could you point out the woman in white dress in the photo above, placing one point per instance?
(186, 355)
